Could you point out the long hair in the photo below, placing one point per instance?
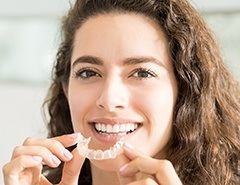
(205, 144)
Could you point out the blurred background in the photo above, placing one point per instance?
(29, 36)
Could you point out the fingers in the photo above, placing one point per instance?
(44, 181)
(20, 163)
(51, 158)
(54, 143)
(69, 139)
(122, 161)
(71, 169)
(132, 153)
(51, 150)
(162, 170)
(147, 181)
(12, 169)
(144, 165)
(26, 162)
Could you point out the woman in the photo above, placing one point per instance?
(148, 72)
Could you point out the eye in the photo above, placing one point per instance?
(142, 73)
(86, 73)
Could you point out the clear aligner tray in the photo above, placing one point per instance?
(111, 153)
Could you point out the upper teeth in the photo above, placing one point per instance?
(115, 128)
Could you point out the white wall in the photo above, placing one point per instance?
(20, 116)
(33, 8)
(20, 102)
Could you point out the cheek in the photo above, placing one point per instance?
(157, 105)
(157, 102)
(80, 101)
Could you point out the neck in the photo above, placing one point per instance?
(102, 177)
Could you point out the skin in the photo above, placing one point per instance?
(113, 90)
(26, 163)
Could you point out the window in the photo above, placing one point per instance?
(27, 49)
(226, 26)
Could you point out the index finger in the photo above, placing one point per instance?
(65, 140)
(132, 153)
(122, 161)
(68, 139)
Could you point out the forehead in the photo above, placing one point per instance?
(122, 35)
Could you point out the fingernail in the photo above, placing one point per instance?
(37, 158)
(67, 154)
(55, 160)
(128, 145)
(123, 168)
(74, 135)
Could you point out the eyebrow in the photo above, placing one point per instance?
(88, 59)
(126, 62)
(141, 59)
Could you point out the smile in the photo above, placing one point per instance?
(111, 131)
(116, 129)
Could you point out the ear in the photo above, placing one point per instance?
(65, 89)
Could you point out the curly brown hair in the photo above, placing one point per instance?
(205, 144)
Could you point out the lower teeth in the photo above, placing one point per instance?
(112, 134)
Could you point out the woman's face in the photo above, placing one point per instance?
(122, 83)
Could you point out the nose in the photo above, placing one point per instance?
(113, 96)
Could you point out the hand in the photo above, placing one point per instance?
(142, 169)
(26, 163)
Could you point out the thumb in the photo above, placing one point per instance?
(72, 168)
(122, 163)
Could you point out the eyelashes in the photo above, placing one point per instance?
(138, 73)
(86, 73)
(143, 73)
